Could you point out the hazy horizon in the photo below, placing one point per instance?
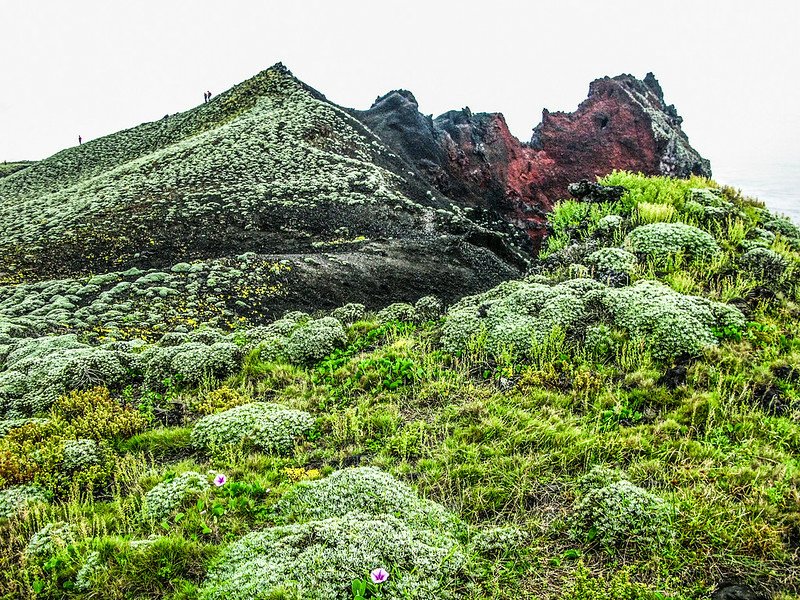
(90, 68)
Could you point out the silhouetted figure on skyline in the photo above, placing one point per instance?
(80, 140)
(209, 95)
(205, 97)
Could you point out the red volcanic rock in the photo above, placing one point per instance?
(623, 124)
(473, 158)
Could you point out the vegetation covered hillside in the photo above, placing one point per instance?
(268, 167)
(623, 422)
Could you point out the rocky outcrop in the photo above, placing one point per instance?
(475, 160)
(623, 124)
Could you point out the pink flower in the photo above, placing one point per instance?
(379, 575)
(220, 480)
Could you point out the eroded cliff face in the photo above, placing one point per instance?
(475, 160)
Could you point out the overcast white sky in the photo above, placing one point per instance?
(92, 67)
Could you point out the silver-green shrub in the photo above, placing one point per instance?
(365, 490)
(612, 259)
(81, 454)
(399, 311)
(268, 427)
(671, 323)
(708, 203)
(524, 315)
(660, 240)
(38, 370)
(349, 313)
(314, 341)
(764, 263)
(622, 515)
(317, 560)
(597, 477)
(17, 497)
(50, 539)
(90, 566)
(428, 308)
(519, 314)
(190, 362)
(168, 496)
(610, 223)
(783, 227)
(497, 540)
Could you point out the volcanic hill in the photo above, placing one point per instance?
(352, 204)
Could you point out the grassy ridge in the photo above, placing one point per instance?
(7, 168)
(572, 449)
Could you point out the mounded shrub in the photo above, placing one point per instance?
(764, 263)
(428, 308)
(40, 369)
(498, 540)
(783, 227)
(344, 526)
(95, 415)
(190, 363)
(365, 490)
(81, 454)
(612, 259)
(318, 560)
(268, 427)
(671, 323)
(526, 314)
(50, 539)
(660, 240)
(15, 498)
(519, 314)
(168, 496)
(399, 311)
(622, 516)
(315, 340)
(609, 224)
(349, 313)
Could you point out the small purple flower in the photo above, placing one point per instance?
(220, 480)
(379, 575)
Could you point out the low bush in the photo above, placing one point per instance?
(267, 427)
(318, 560)
(658, 241)
(16, 498)
(399, 311)
(50, 539)
(95, 415)
(612, 259)
(314, 341)
(530, 316)
(365, 490)
(166, 497)
(623, 517)
(764, 263)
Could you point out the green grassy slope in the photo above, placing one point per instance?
(7, 168)
(622, 423)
